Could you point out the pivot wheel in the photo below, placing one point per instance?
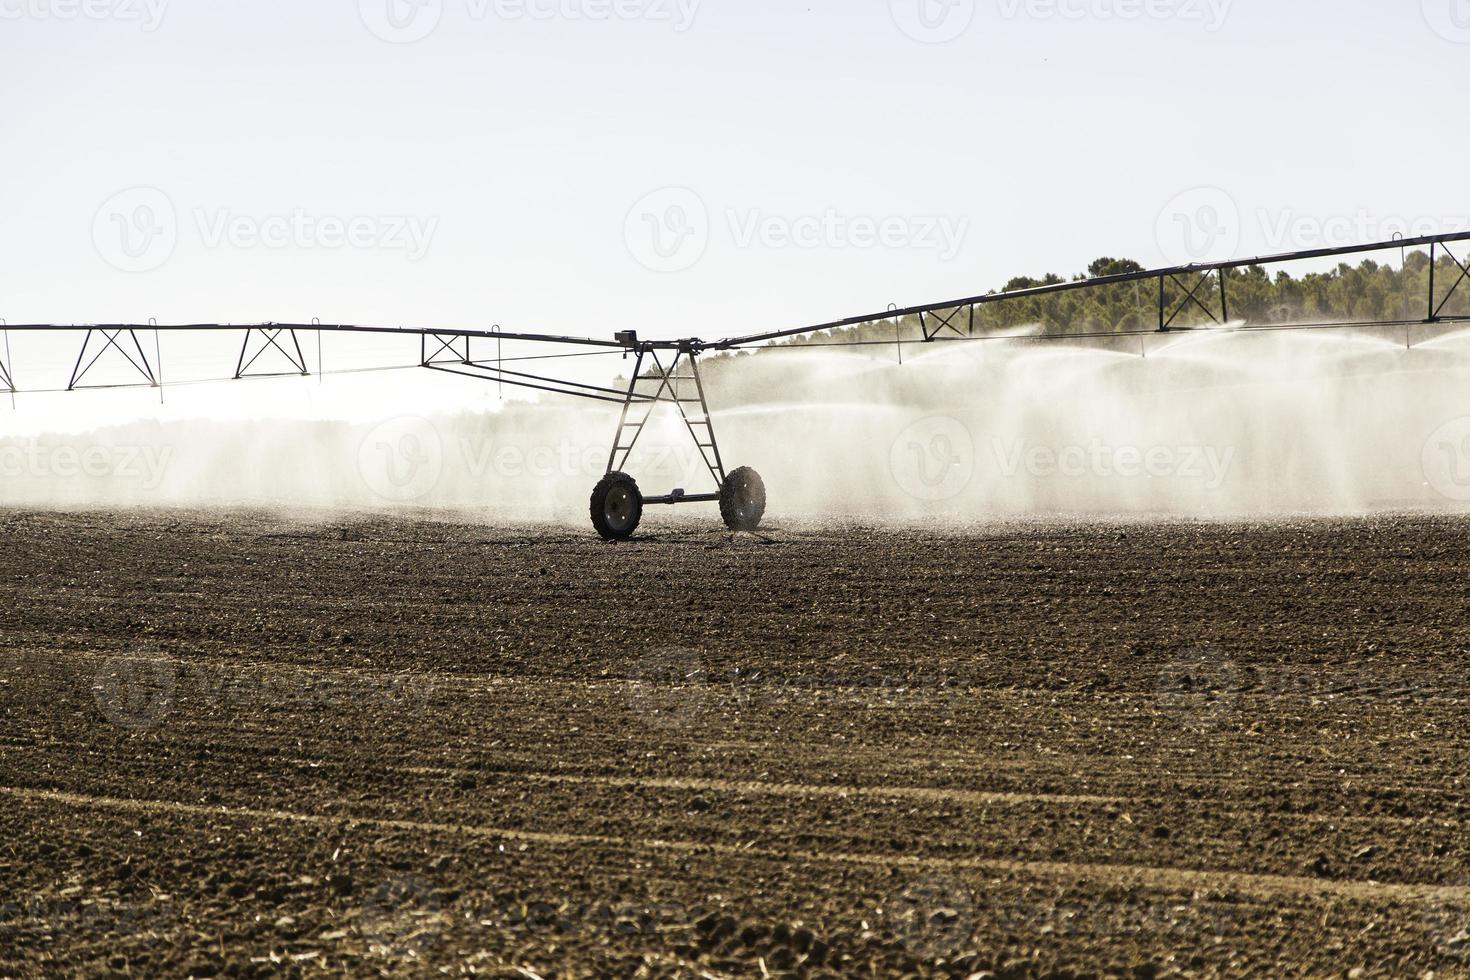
(617, 507)
(743, 500)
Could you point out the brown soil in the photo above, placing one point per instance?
(250, 745)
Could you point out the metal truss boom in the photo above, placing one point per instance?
(1200, 290)
(947, 313)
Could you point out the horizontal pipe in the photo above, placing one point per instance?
(333, 328)
(1062, 287)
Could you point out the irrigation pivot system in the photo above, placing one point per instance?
(667, 372)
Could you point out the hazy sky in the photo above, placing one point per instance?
(701, 167)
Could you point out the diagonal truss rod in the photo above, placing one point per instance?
(457, 346)
(1192, 296)
(110, 342)
(623, 424)
(711, 451)
(946, 322)
(488, 371)
(700, 428)
(271, 339)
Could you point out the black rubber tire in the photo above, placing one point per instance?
(743, 500)
(617, 507)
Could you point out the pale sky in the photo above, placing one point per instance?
(693, 167)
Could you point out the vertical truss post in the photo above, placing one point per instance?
(1432, 310)
(157, 355)
(1224, 300)
(270, 337)
(5, 376)
(109, 337)
(1435, 311)
(897, 331)
(1163, 327)
(1398, 236)
(499, 362)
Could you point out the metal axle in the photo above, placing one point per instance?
(680, 497)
